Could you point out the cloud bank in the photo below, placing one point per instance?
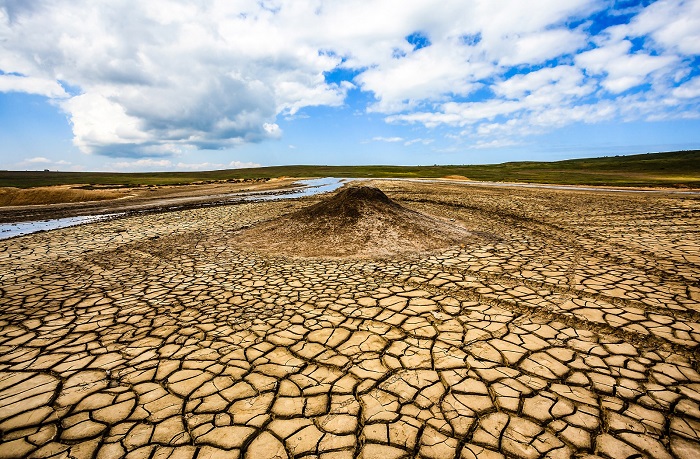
(148, 79)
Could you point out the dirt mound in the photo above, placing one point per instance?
(358, 221)
(349, 204)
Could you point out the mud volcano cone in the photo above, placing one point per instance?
(349, 205)
(357, 221)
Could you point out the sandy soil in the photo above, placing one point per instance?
(569, 327)
(10, 196)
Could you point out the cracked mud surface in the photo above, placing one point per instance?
(568, 329)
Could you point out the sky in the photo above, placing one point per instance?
(128, 85)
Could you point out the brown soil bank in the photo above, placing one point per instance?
(53, 194)
(358, 221)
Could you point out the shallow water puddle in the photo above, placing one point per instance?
(8, 230)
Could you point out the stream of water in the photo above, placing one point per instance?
(308, 187)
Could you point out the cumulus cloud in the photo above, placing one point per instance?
(161, 77)
(32, 85)
(426, 74)
(164, 77)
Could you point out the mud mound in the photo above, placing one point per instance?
(358, 221)
(348, 205)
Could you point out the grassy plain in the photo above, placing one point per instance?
(679, 169)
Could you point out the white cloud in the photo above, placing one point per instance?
(162, 76)
(563, 115)
(387, 139)
(535, 101)
(452, 66)
(38, 159)
(99, 122)
(673, 24)
(426, 74)
(689, 90)
(165, 77)
(460, 113)
(32, 85)
(418, 140)
(272, 129)
(546, 86)
(489, 144)
(204, 166)
(624, 70)
(243, 165)
(43, 162)
(296, 95)
(543, 45)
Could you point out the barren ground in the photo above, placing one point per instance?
(566, 324)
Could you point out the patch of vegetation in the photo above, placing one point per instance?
(678, 169)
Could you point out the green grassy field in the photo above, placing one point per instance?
(679, 169)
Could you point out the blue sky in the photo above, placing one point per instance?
(178, 85)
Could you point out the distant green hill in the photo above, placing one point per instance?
(678, 169)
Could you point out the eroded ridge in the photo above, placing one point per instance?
(153, 337)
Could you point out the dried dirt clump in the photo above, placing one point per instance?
(358, 221)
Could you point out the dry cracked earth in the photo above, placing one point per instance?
(566, 326)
